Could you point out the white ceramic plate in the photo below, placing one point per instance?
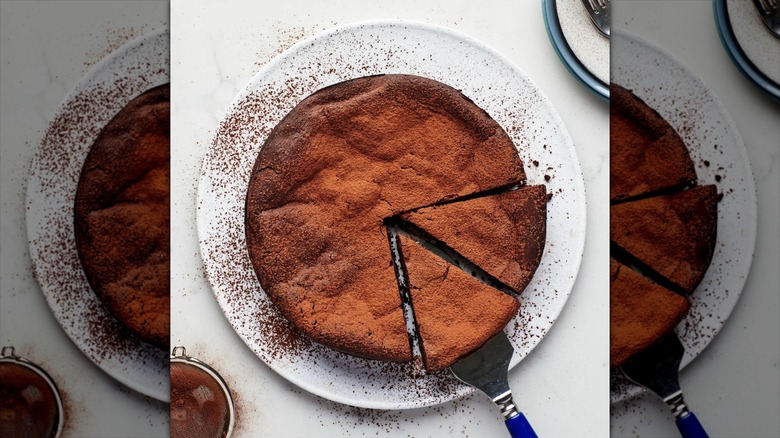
(360, 50)
(716, 148)
(51, 190)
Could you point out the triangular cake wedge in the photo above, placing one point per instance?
(455, 313)
(673, 235)
(646, 153)
(503, 234)
(640, 312)
(363, 315)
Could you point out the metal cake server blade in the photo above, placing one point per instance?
(656, 368)
(486, 370)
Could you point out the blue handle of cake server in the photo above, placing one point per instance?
(519, 427)
(690, 427)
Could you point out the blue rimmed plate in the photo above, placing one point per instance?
(581, 48)
(751, 47)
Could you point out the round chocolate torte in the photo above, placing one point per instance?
(122, 218)
(334, 170)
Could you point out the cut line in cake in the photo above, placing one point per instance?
(452, 313)
(673, 235)
(403, 289)
(448, 254)
(503, 234)
(663, 226)
(628, 260)
(520, 183)
(464, 224)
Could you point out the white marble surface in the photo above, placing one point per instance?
(216, 48)
(734, 385)
(46, 48)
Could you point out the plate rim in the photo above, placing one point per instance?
(202, 222)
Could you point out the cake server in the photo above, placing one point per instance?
(656, 368)
(486, 370)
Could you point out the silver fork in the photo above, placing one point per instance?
(769, 10)
(598, 10)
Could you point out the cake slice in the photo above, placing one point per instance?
(455, 313)
(640, 312)
(673, 235)
(646, 153)
(338, 291)
(503, 234)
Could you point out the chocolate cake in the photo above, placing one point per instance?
(455, 313)
(646, 153)
(333, 170)
(640, 312)
(121, 216)
(503, 234)
(662, 226)
(674, 235)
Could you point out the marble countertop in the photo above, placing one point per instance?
(216, 49)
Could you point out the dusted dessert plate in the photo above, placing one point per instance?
(720, 158)
(348, 52)
(51, 191)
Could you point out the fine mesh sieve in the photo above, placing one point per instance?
(201, 404)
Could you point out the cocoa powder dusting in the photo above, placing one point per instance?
(58, 165)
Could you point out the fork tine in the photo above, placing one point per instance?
(598, 10)
(768, 6)
(769, 10)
